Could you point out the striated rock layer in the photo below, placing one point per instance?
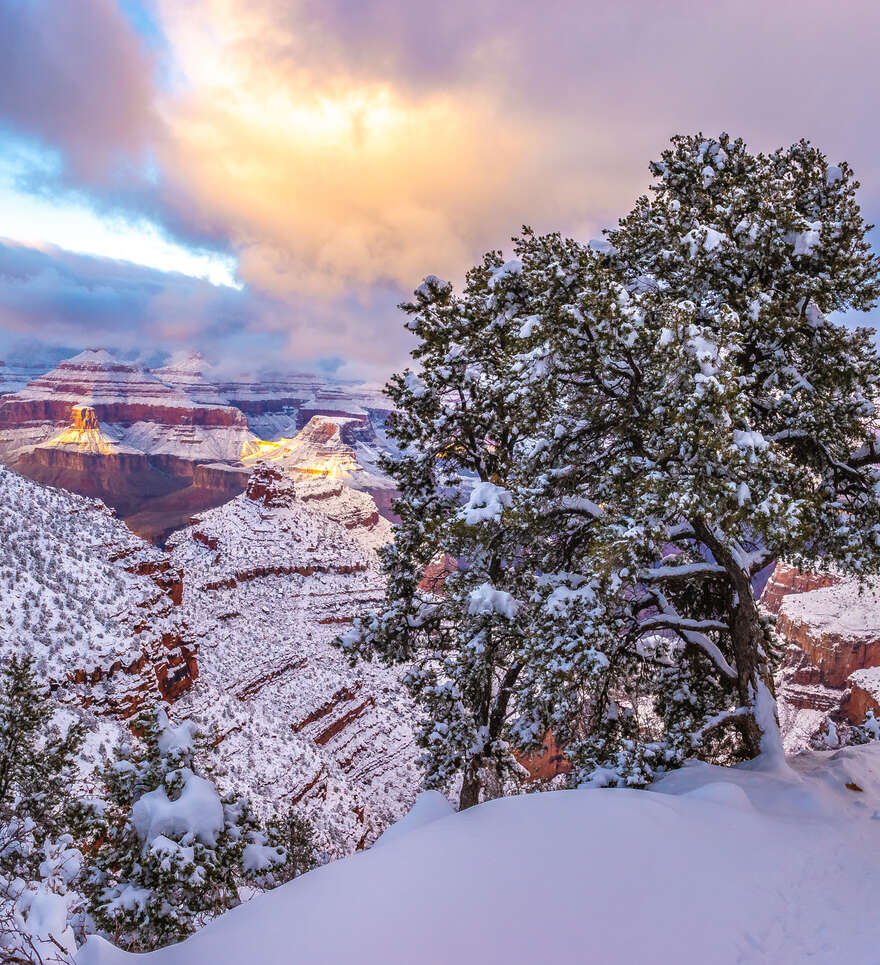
(152, 444)
(119, 393)
(831, 628)
(107, 429)
(97, 608)
(232, 628)
(270, 581)
(334, 454)
(786, 580)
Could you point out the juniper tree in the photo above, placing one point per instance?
(37, 763)
(458, 422)
(292, 840)
(716, 418)
(37, 768)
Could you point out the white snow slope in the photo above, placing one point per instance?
(714, 865)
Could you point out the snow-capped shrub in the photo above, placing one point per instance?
(168, 851)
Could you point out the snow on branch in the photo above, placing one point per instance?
(717, 721)
(689, 631)
(681, 572)
(671, 621)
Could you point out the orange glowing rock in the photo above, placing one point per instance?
(84, 433)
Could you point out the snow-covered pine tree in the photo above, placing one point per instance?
(714, 418)
(37, 861)
(291, 837)
(37, 761)
(458, 422)
(168, 852)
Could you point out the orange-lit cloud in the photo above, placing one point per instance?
(342, 149)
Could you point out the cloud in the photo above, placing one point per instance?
(76, 76)
(76, 300)
(340, 143)
(342, 149)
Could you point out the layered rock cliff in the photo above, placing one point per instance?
(831, 629)
(329, 457)
(232, 627)
(97, 608)
(270, 580)
(119, 392)
(108, 429)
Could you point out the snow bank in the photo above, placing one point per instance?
(430, 806)
(715, 865)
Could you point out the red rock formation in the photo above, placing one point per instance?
(831, 631)
(167, 665)
(831, 653)
(271, 487)
(434, 578)
(221, 478)
(786, 580)
(859, 701)
(547, 763)
(106, 429)
(118, 392)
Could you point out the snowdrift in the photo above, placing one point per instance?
(713, 865)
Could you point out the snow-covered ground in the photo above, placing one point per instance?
(713, 866)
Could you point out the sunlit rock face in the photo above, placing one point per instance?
(331, 463)
(119, 392)
(270, 580)
(318, 448)
(134, 409)
(153, 445)
(831, 628)
(108, 429)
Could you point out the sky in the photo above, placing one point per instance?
(265, 180)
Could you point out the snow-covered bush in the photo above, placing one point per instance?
(868, 731)
(168, 851)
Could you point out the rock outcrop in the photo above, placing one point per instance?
(864, 695)
(120, 393)
(97, 608)
(107, 429)
(232, 627)
(787, 580)
(270, 580)
(831, 628)
(330, 463)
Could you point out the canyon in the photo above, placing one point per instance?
(163, 444)
(232, 624)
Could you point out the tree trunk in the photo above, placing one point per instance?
(753, 677)
(471, 786)
(747, 636)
